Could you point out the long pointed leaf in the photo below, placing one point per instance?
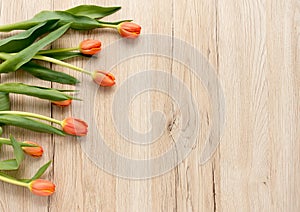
(38, 174)
(24, 56)
(47, 74)
(18, 152)
(30, 124)
(22, 40)
(93, 11)
(44, 73)
(40, 92)
(77, 22)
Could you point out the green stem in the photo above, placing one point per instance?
(58, 62)
(13, 181)
(33, 115)
(108, 26)
(51, 51)
(7, 141)
(51, 60)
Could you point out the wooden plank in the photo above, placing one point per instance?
(13, 198)
(257, 149)
(254, 50)
(81, 185)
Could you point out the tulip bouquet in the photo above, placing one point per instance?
(21, 52)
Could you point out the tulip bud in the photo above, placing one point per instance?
(42, 187)
(74, 126)
(90, 47)
(129, 29)
(62, 103)
(33, 151)
(103, 79)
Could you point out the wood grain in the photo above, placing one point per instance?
(253, 47)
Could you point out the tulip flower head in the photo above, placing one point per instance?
(33, 151)
(42, 187)
(103, 78)
(90, 47)
(64, 103)
(74, 126)
(129, 29)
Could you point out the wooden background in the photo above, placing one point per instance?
(253, 46)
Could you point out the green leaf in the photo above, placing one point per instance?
(24, 56)
(63, 55)
(30, 124)
(40, 92)
(77, 22)
(7, 176)
(38, 174)
(93, 11)
(22, 40)
(47, 74)
(9, 165)
(18, 152)
(19, 25)
(41, 171)
(13, 164)
(1, 131)
(44, 73)
(4, 101)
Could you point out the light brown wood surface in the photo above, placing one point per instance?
(254, 48)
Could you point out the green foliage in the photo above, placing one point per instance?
(30, 124)
(40, 92)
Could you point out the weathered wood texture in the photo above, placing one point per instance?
(254, 48)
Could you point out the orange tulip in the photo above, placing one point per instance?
(62, 103)
(90, 47)
(33, 151)
(104, 79)
(74, 126)
(129, 29)
(42, 187)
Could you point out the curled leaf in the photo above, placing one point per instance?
(13, 164)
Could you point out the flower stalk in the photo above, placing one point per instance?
(13, 181)
(61, 63)
(7, 141)
(38, 187)
(53, 51)
(32, 115)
